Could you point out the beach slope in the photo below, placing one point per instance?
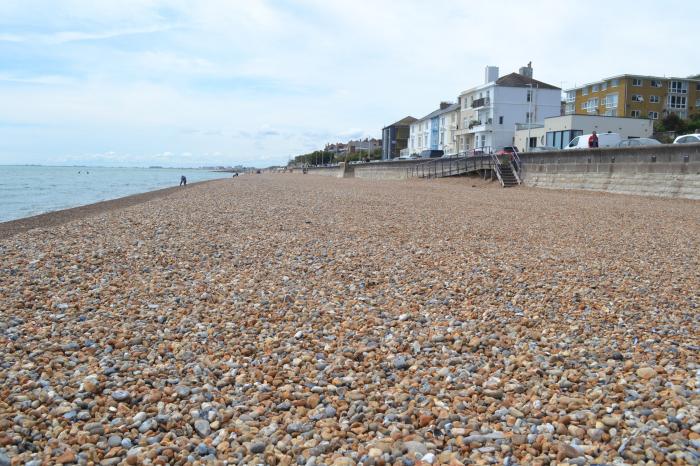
(289, 319)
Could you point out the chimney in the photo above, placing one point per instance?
(491, 74)
(526, 70)
(444, 105)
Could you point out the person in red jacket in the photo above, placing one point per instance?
(593, 140)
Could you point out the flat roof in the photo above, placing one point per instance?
(643, 76)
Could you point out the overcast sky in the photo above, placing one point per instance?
(189, 83)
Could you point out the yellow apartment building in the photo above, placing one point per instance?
(636, 96)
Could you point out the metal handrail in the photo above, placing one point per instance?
(449, 166)
(517, 166)
(497, 168)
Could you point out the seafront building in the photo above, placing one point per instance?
(395, 137)
(434, 131)
(636, 96)
(490, 112)
(557, 131)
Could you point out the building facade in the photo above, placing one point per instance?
(433, 131)
(558, 131)
(490, 112)
(395, 137)
(636, 96)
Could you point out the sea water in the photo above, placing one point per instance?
(32, 190)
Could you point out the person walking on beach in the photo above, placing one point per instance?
(183, 181)
(593, 140)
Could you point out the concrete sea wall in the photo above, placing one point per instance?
(395, 170)
(671, 170)
(667, 170)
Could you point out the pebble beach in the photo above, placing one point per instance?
(288, 319)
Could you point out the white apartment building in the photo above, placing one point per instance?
(490, 112)
(435, 131)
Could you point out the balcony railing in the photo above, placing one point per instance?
(481, 102)
(480, 125)
(519, 126)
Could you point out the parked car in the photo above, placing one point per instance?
(604, 140)
(507, 150)
(543, 149)
(634, 142)
(688, 139)
(431, 153)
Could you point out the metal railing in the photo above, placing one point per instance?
(482, 102)
(497, 168)
(479, 151)
(517, 165)
(449, 166)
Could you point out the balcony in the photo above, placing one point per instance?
(520, 126)
(476, 126)
(483, 102)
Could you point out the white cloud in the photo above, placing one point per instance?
(254, 79)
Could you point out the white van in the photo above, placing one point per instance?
(604, 140)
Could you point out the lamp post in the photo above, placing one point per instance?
(529, 117)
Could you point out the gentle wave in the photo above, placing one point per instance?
(32, 190)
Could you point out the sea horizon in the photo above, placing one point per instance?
(114, 166)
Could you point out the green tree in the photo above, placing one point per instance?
(671, 122)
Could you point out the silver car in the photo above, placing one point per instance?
(638, 142)
(688, 139)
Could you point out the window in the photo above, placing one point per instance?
(614, 83)
(676, 101)
(653, 115)
(584, 91)
(570, 96)
(570, 108)
(592, 106)
(634, 113)
(529, 95)
(500, 120)
(529, 117)
(697, 103)
(610, 112)
(654, 99)
(603, 85)
(679, 87)
(697, 88)
(595, 88)
(682, 114)
(611, 101)
(637, 98)
(655, 83)
(636, 82)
